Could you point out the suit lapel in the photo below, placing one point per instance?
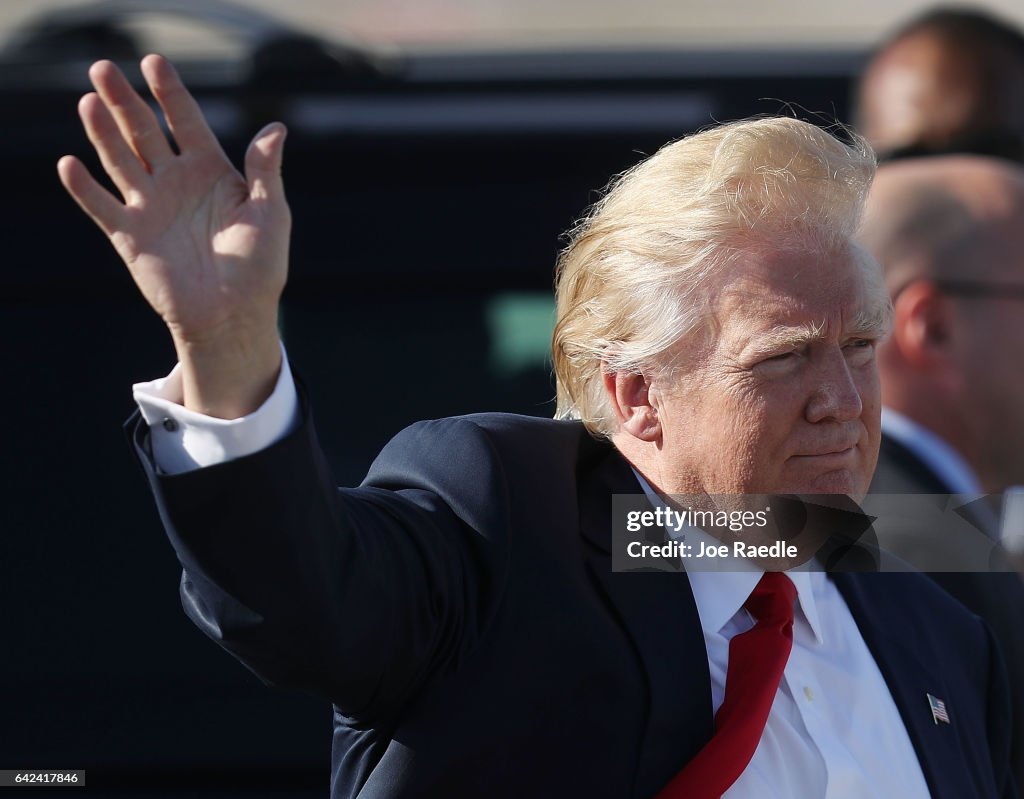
(657, 611)
(909, 680)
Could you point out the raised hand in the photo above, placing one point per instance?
(207, 247)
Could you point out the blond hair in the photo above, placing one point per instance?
(633, 279)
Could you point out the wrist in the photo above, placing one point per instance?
(231, 374)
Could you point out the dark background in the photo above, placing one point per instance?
(426, 192)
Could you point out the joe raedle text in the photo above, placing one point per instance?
(653, 536)
(710, 549)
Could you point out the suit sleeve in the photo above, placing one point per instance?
(362, 595)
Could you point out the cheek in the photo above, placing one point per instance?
(738, 432)
(743, 415)
(1006, 344)
(771, 411)
(751, 433)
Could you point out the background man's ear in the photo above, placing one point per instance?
(635, 403)
(922, 328)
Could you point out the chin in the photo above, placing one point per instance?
(838, 481)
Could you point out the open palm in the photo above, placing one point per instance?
(207, 246)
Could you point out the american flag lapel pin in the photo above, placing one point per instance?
(939, 712)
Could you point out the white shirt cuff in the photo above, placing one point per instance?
(184, 440)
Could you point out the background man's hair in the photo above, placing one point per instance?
(634, 278)
(927, 219)
(965, 25)
(993, 48)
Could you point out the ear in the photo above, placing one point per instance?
(635, 403)
(923, 325)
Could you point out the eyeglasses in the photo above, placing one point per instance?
(973, 288)
(970, 289)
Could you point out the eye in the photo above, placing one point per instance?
(777, 364)
(861, 349)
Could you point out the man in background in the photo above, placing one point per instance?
(949, 233)
(951, 80)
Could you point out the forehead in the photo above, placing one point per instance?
(769, 290)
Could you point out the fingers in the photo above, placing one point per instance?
(138, 124)
(118, 159)
(96, 201)
(263, 163)
(183, 115)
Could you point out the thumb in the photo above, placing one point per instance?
(263, 163)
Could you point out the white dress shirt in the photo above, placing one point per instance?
(833, 732)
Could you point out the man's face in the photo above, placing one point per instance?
(920, 92)
(989, 356)
(924, 91)
(781, 395)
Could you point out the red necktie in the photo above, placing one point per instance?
(757, 659)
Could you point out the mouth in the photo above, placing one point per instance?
(841, 450)
(823, 457)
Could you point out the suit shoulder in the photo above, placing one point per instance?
(900, 471)
(506, 425)
(487, 448)
(504, 435)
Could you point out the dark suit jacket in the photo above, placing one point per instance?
(998, 597)
(460, 611)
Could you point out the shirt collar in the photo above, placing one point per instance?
(720, 593)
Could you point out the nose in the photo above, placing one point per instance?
(836, 395)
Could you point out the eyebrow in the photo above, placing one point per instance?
(785, 338)
(869, 323)
(875, 321)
